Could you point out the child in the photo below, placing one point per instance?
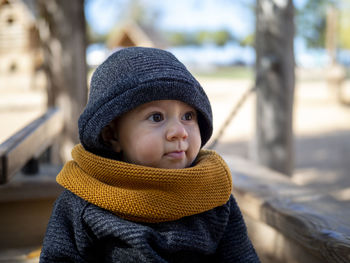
(139, 187)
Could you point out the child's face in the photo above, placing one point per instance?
(162, 134)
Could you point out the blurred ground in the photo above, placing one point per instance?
(321, 124)
(321, 127)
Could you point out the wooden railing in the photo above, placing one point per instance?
(26, 201)
(23, 148)
(289, 222)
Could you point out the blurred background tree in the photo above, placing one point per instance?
(311, 22)
(62, 30)
(344, 29)
(92, 37)
(147, 15)
(201, 37)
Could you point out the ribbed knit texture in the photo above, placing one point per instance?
(134, 76)
(81, 232)
(147, 194)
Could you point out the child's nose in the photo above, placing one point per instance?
(176, 130)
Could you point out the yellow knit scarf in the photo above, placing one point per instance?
(147, 194)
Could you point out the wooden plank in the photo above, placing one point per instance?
(317, 222)
(24, 188)
(23, 224)
(272, 246)
(29, 143)
(26, 204)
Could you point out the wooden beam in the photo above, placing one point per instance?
(28, 143)
(314, 222)
(23, 188)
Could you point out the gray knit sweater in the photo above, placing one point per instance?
(82, 232)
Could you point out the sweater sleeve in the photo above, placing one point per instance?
(235, 245)
(65, 239)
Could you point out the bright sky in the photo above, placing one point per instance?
(179, 15)
(234, 15)
(189, 15)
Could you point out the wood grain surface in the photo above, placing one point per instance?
(28, 143)
(317, 222)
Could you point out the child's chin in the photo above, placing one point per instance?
(172, 165)
(178, 166)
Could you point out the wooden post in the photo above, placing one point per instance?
(331, 34)
(275, 84)
(335, 73)
(62, 32)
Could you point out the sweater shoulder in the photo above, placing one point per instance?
(67, 197)
(70, 202)
(69, 207)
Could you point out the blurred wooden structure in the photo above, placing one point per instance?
(25, 146)
(130, 34)
(20, 52)
(287, 222)
(290, 223)
(28, 186)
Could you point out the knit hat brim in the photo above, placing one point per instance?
(110, 99)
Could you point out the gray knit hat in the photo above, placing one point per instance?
(134, 76)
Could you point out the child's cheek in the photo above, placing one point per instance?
(149, 147)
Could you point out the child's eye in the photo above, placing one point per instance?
(188, 116)
(156, 117)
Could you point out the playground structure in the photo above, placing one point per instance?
(287, 222)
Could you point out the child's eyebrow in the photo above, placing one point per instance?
(144, 108)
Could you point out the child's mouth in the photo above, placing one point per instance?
(176, 154)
